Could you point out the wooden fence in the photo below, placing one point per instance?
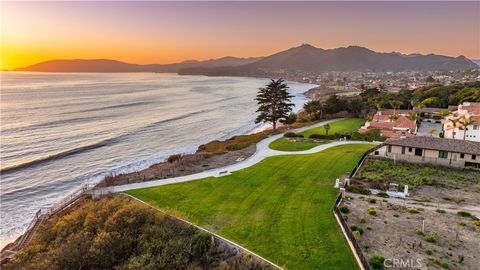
(40, 216)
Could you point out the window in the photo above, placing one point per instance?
(475, 127)
(389, 149)
(410, 149)
(418, 151)
(442, 154)
(462, 156)
(403, 150)
(474, 157)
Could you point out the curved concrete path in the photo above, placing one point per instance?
(262, 152)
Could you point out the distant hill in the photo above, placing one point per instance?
(352, 58)
(305, 58)
(106, 65)
(476, 61)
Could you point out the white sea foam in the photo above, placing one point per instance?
(66, 129)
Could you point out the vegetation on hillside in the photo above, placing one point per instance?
(280, 208)
(116, 233)
(371, 100)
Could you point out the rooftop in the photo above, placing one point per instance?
(450, 145)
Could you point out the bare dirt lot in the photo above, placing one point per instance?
(437, 224)
(448, 241)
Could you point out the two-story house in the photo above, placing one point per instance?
(464, 123)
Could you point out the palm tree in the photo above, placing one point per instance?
(465, 122)
(414, 103)
(412, 116)
(444, 113)
(327, 128)
(394, 117)
(454, 123)
(395, 104)
(377, 102)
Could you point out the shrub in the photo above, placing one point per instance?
(425, 199)
(413, 210)
(322, 137)
(431, 237)
(382, 194)
(117, 233)
(174, 158)
(419, 232)
(462, 223)
(356, 228)
(357, 235)
(441, 211)
(445, 265)
(396, 215)
(369, 228)
(363, 220)
(369, 135)
(372, 211)
(372, 200)
(376, 262)
(290, 119)
(476, 222)
(464, 214)
(236, 146)
(344, 209)
(428, 251)
(292, 135)
(358, 188)
(433, 261)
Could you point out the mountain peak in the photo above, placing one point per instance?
(359, 48)
(306, 45)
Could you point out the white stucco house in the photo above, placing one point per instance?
(464, 123)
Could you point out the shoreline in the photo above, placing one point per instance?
(139, 164)
(198, 161)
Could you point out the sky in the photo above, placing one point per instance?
(167, 32)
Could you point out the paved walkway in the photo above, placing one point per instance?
(262, 152)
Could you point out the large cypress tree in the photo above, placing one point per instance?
(273, 102)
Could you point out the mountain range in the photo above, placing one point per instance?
(302, 58)
(107, 65)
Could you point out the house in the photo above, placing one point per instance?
(392, 124)
(430, 150)
(464, 123)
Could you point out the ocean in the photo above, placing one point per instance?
(60, 131)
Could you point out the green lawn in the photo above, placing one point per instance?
(280, 208)
(283, 144)
(348, 125)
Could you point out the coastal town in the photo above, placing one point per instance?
(240, 135)
(419, 169)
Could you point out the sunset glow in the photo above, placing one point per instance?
(166, 32)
